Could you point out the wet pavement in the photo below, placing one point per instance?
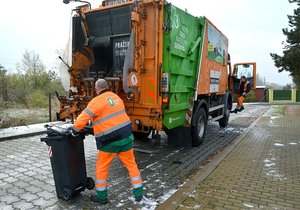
(261, 172)
(26, 179)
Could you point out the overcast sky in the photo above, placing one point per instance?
(253, 27)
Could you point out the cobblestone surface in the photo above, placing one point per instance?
(263, 172)
(26, 180)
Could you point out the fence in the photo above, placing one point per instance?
(283, 96)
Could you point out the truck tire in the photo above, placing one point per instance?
(198, 131)
(223, 122)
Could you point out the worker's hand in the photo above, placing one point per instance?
(73, 132)
(244, 94)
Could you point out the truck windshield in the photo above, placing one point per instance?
(243, 70)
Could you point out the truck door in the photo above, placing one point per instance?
(242, 69)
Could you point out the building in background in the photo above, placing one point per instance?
(261, 93)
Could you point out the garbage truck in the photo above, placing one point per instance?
(171, 69)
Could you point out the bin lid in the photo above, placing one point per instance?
(53, 138)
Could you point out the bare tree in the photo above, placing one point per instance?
(3, 84)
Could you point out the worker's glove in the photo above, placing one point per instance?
(244, 94)
(73, 132)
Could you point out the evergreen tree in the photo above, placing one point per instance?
(290, 60)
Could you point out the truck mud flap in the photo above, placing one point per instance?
(179, 137)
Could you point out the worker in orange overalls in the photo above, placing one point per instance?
(112, 130)
(244, 89)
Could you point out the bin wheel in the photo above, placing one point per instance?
(90, 184)
(67, 194)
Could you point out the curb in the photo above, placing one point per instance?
(26, 130)
(22, 135)
(182, 193)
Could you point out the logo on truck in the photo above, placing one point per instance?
(175, 22)
(217, 45)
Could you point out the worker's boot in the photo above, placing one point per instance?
(241, 109)
(138, 193)
(138, 199)
(94, 198)
(234, 111)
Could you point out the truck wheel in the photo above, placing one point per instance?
(67, 194)
(200, 128)
(90, 184)
(224, 121)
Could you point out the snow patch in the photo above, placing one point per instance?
(248, 205)
(197, 207)
(148, 204)
(191, 195)
(274, 112)
(234, 130)
(119, 205)
(167, 195)
(26, 129)
(229, 129)
(270, 164)
(154, 166)
(275, 117)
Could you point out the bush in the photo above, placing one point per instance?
(250, 97)
(37, 99)
(22, 116)
(6, 105)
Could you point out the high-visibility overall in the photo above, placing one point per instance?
(240, 101)
(244, 87)
(112, 130)
(125, 154)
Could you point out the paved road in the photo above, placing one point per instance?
(261, 172)
(26, 179)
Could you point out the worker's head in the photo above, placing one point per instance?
(101, 85)
(243, 78)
